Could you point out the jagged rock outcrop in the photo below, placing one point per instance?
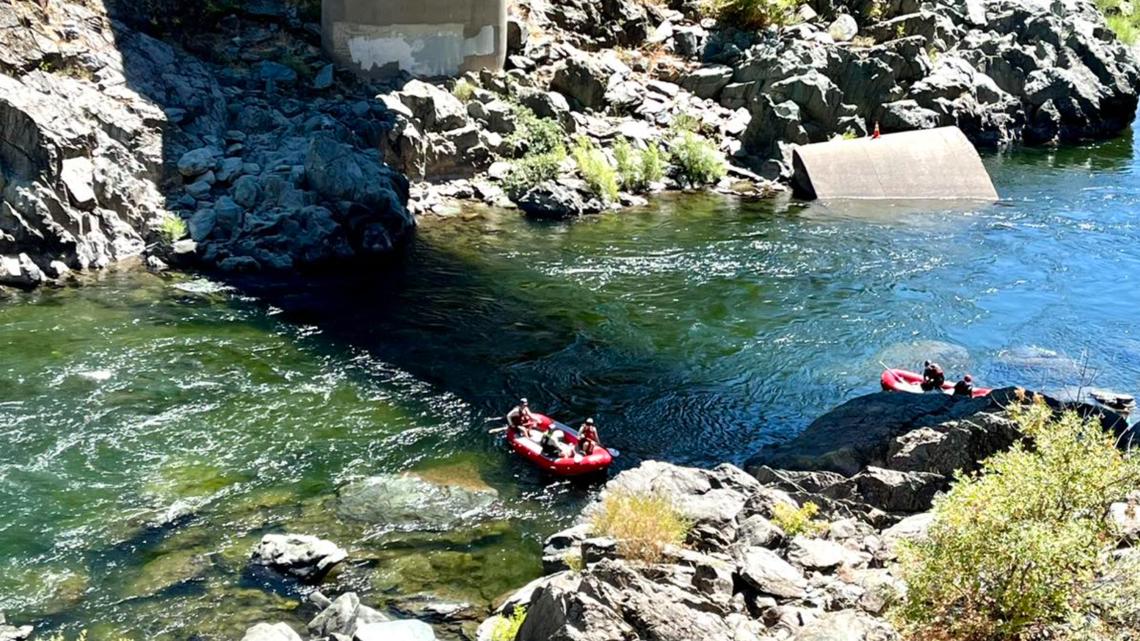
(892, 452)
(82, 130)
(106, 131)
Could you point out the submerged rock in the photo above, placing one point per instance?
(405, 502)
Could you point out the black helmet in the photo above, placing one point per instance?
(924, 364)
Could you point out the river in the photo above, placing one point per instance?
(155, 427)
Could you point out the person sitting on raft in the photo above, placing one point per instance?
(964, 387)
(520, 417)
(933, 378)
(552, 445)
(589, 432)
(586, 446)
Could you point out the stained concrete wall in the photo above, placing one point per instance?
(931, 164)
(426, 38)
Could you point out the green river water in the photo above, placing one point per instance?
(154, 428)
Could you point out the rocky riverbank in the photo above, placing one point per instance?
(740, 575)
(116, 127)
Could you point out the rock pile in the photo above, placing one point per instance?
(277, 162)
(891, 453)
(741, 577)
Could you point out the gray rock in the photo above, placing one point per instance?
(197, 161)
(846, 625)
(15, 633)
(20, 271)
(1125, 518)
(554, 200)
(822, 555)
(707, 82)
(517, 35)
(305, 557)
(344, 616)
(324, 78)
(843, 29)
(229, 169)
(271, 632)
(766, 572)
(582, 79)
(247, 191)
(409, 630)
(276, 72)
(433, 107)
(78, 179)
(201, 224)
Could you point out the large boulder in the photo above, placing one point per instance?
(271, 632)
(344, 616)
(767, 573)
(859, 432)
(305, 557)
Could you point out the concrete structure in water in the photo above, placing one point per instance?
(426, 38)
(934, 164)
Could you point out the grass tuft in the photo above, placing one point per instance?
(642, 523)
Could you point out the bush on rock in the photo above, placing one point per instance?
(750, 14)
(642, 523)
(1023, 548)
(636, 169)
(697, 160)
(596, 170)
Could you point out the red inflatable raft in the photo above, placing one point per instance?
(578, 465)
(900, 380)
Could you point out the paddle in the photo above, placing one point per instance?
(497, 430)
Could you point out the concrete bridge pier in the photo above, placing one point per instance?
(426, 38)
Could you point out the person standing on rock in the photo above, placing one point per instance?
(933, 378)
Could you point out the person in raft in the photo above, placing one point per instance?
(589, 432)
(964, 387)
(933, 378)
(520, 417)
(553, 446)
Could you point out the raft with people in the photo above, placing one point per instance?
(901, 380)
(555, 447)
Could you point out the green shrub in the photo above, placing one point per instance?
(637, 170)
(531, 171)
(1018, 549)
(463, 90)
(534, 135)
(795, 521)
(699, 162)
(596, 169)
(1125, 28)
(574, 561)
(685, 122)
(506, 628)
(172, 229)
(642, 523)
(750, 14)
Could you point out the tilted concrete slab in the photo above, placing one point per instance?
(426, 38)
(933, 164)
